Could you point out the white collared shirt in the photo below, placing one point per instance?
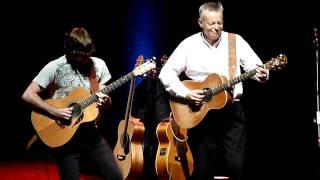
(197, 58)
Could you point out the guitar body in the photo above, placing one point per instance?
(54, 134)
(174, 158)
(188, 117)
(128, 151)
(163, 150)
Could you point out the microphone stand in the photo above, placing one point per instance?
(317, 118)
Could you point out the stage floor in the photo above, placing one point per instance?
(33, 169)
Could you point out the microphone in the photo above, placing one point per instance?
(317, 118)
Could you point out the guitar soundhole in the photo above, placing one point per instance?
(208, 94)
(76, 110)
(125, 143)
(163, 151)
(76, 114)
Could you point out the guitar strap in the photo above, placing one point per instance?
(94, 87)
(232, 54)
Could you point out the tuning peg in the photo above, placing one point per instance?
(153, 58)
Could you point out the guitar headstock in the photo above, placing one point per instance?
(145, 67)
(154, 73)
(277, 63)
(139, 60)
(163, 60)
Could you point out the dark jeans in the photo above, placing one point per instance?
(218, 144)
(86, 143)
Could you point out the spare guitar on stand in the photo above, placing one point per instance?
(128, 151)
(174, 160)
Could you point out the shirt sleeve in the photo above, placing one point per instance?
(248, 58)
(46, 75)
(103, 72)
(172, 69)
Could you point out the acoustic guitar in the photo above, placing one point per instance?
(128, 150)
(56, 132)
(216, 88)
(174, 159)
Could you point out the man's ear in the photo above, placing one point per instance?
(200, 23)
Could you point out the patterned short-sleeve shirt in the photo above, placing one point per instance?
(66, 78)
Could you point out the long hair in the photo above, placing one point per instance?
(78, 48)
(79, 42)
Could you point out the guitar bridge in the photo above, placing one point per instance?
(177, 158)
(62, 123)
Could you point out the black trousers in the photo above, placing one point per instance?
(86, 143)
(218, 144)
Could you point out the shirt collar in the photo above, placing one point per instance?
(215, 45)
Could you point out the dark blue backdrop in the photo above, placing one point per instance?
(282, 134)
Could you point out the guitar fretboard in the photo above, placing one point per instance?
(94, 98)
(232, 82)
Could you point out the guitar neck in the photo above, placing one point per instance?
(232, 82)
(93, 97)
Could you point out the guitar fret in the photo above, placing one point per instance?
(232, 82)
(85, 104)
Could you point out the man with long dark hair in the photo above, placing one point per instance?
(77, 68)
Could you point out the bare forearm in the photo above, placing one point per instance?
(36, 101)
